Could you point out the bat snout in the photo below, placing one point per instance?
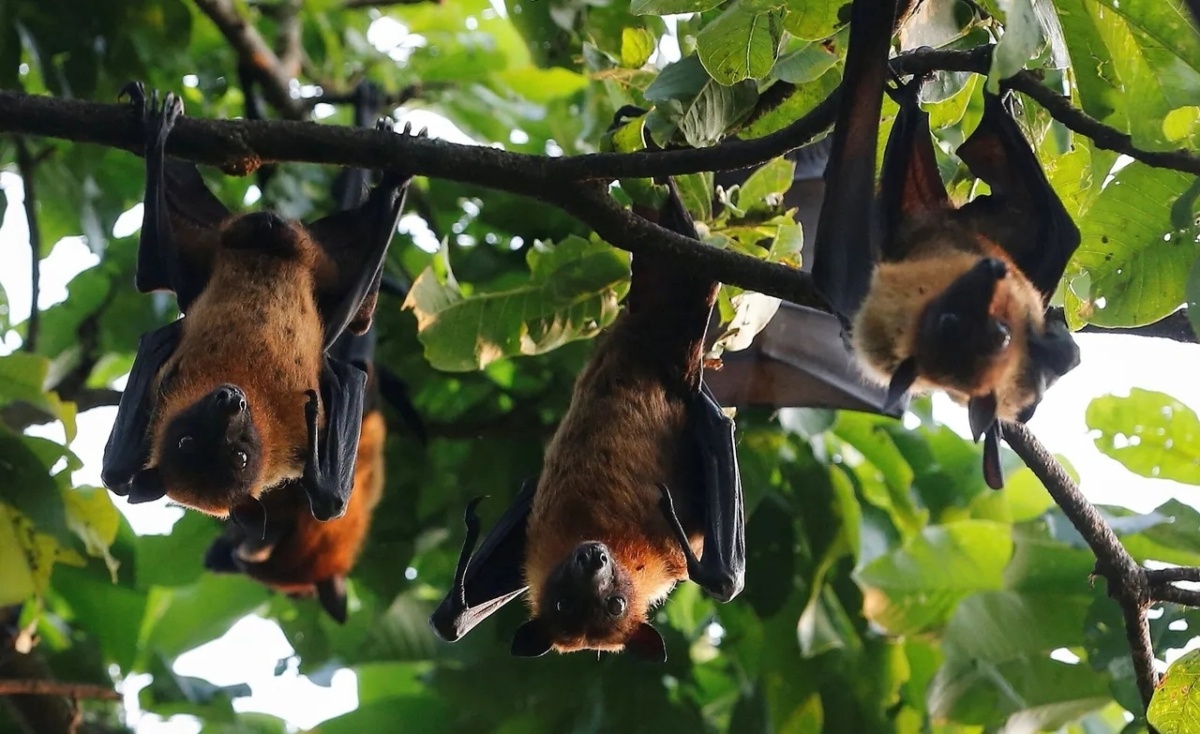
(229, 400)
(591, 558)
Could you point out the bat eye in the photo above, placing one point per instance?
(186, 444)
(240, 459)
(615, 606)
(562, 605)
(1000, 334)
(948, 324)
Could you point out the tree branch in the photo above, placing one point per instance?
(1126, 580)
(27, 167)
(978, 60)
(242, 145)
(43, 687)
(354, 4)
(1175, 595)
(255, 53)
(1170, 575)
(1176, 327)
(289, 45)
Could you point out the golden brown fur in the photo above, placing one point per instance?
(312, 550)
(885, 329)
(269, 301)
(623, 434)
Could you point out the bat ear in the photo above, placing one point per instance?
(902, 379)
(981, 413)
(331, 592)
(531, 640)
(647, 644)
(146, 486)
(993, 473)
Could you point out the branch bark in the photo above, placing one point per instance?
(1126, 580)
(978, 60)
(240, 146)
(27, 167)
(43, 687)
(255, 53)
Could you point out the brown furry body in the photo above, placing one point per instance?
(310, 551)
(939, 252)
(255, 325)
(623, 434)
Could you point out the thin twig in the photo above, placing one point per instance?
(1126, 580)
(1175, 327)
(353, 4)
(289, 44)
(978, 60)
(395, 99)
(27, 168)
(254, 51)
(1170, 575)
(1175, 595)
(43, 687)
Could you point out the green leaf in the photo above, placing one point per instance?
(804, 65)
(543, 85)
(1175, 708)
(671, 7)
(740, 44)
(23, 377)
(769, 181)
(1151, 433)
(29, 488)
(1135, 252)
(1022, 36)
(572, 293)
(92, 516)
(811, 20)
(917, 587)
(16, 579)
(637, 45)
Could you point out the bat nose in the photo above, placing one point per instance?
(230, 398)
(591, 557)
(993, 267)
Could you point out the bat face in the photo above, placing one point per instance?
(210, 453)
(958, 339)
(588, 602)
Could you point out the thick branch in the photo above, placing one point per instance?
(1126, 580)
(978, 60)
(1176, 595)
(255, 53)
(243, 145)
(1176, 327)
(1171, 575)
(43, 687)
(27, 167)
(352, 4)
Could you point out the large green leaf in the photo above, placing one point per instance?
(1175, 708)
(572, 293)
(1151, 433)
(740, 44)
(917, 587)
(1135, 249)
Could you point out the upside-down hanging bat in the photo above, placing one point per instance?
(239, 395)
(279, 543)
(958, 298)
(639, 488)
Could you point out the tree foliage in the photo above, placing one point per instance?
(888, 590)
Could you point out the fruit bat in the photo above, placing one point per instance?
(639, 487)
(240, 395)
(938, 296)
(277, 541)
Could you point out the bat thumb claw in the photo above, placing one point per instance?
(981, 413)
(902, 379)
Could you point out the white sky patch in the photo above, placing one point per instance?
(129, 222)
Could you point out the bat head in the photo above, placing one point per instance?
(210, 452)
(589, 601)
(265, 232)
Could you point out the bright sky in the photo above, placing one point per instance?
(248, 653)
